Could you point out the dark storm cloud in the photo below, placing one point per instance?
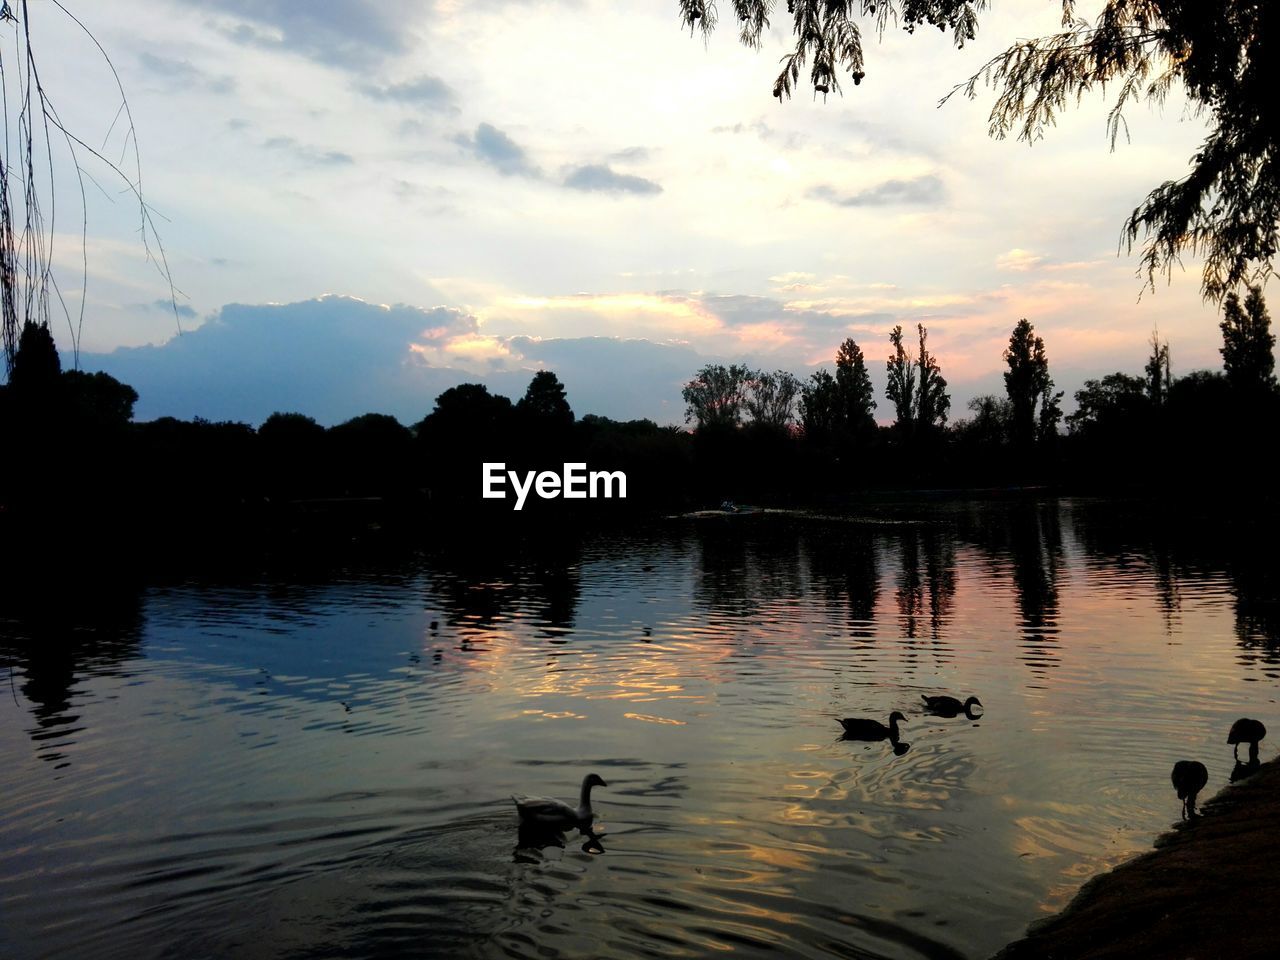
(598, 177)
(927, 190)
(492, 146)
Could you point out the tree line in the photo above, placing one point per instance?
(776, 434)
(756, 437)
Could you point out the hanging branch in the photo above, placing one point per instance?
(32, 129)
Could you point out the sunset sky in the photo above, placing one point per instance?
(577, 187)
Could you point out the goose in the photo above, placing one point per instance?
(1189, 778)
(1247, 731)
(950, 706)
(858, 729)
(545, 813)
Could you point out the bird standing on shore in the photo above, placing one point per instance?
(1247, 731)
(1189, 778)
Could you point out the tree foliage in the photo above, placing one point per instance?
(828, 37)
(933, 402)
(715, 396)
(1248, 355)
(544, 401)
(1222, 53)
(1028, 386)
(855, 392)
(819, 407)
(900, 388)
(771, 398)
(1100, 404)
(1158, 370)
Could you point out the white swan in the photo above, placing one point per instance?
(545, 813)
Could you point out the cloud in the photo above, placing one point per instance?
(182, 74)
(615, 377)
(499, 151)
(598, 177)
(630, 155)
(167, 306)
(331, 358)
(425, 91)
(308, 154)
(1018, 260)
(336, 357)
(351, 34)
(927, 190)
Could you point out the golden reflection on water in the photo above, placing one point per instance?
(368, 741)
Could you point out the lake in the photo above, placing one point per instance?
(319, 762)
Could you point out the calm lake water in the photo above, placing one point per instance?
(322, 766)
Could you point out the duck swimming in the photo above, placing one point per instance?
(859, 729)
(546, 813)
(950, 706)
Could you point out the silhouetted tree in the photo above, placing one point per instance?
(290, 428)
(295, 461)
(901, 386)
(370, 454)
(1107, 403)
(819, 410)
(856, 395)
(715, 397)
(98, 397)
(991, 423)
(1159, 375)
(36, 367)
(468, 426)
(1027, 382)
(933, 403)
(1050, 416)
(544, 403)
(771, 398)
(1248, 343)
(1220, 52)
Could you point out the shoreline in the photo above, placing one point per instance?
(1208, 889)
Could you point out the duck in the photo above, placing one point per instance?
(859, 729)
(1247, 731)
(950, 706)
(546, 813)
(1189, 778)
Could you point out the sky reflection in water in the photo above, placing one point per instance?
(325, 768)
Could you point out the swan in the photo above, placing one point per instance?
(1189, 778)
(858, 729)
(950, 706)
(545, 813)
(1247, 731)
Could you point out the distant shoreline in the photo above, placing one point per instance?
(1208, 889)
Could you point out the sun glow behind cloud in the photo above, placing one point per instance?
(381, 147)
